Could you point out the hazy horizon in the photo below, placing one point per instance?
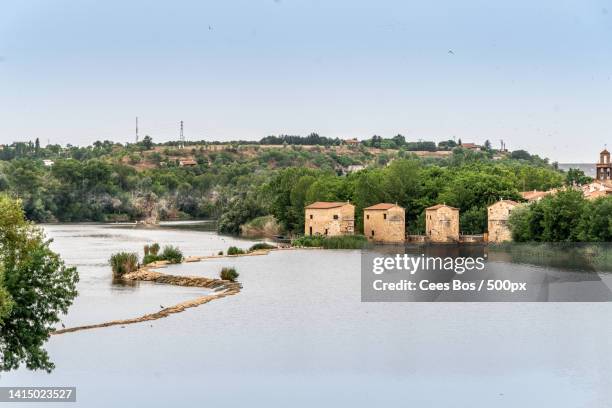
(537, 76)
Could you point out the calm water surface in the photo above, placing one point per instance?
(298, 335)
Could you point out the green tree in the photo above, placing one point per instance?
(577, 177)
(596, 221)
(40, 285)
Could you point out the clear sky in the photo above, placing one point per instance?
(537, 74)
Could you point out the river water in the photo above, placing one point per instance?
(299, 335)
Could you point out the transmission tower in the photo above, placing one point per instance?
(182, 137)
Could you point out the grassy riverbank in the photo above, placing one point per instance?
(337, 242)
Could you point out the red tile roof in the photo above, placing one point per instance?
(436, 207)
(381, 206)
(506, 201)
(534, 195)
(322, 205)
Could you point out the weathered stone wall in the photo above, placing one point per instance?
(386, 226)
(442, 224)
(498, 215)
(330, 221)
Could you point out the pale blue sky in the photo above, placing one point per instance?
(536, 74)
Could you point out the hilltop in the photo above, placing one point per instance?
(239, 181)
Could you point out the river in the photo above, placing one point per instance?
(298, 335)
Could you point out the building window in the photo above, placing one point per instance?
(384, 216)
(335, 216)
(311, 216)
(368, 216)
(325, 231)
(310, 229)
(372, 232)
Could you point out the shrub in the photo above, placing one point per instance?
(123, 262)
(150, 258)
(220, 253)
(234, 251)
(229, 274)
(154, 249)
(146, 250)
(336, 242)
(261, 245)
(172, 254)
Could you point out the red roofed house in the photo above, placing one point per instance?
(498, 215)
(385, 223)
(187, 163)
(470, 146)
(442, 223)
(329, 218)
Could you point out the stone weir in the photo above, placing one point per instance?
(222, 289)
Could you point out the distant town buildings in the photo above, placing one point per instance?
(597, 189)
(48, 163)
(497, 216)
(535, 195)
(329, 218)
(385, 223)
(442, 223)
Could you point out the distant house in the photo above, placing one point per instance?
(442, 223)
(329, 218)
(351, 142)
(187, 163)
(535, 195)
(497, 217)
(471, 146)
(48, 163)
(385, 223)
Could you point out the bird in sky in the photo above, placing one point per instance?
(451, 52)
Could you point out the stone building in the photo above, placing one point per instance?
(604, 167)
(385, 223)
(329, 218)
(442, 223)
(497, 215)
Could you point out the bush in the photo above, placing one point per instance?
(336, 242)
(172, 254)
(260, 246)
(234, 251)
(229, 274)
(123, 262)
(150, 258)
(154, 249)
(220, 253)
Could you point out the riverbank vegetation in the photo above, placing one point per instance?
(579, 256)
(563, 217)
(170, 254)
(235, 251)
(123, 262)
(335, 242)
(35, 289)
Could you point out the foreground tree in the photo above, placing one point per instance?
(35, 285)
